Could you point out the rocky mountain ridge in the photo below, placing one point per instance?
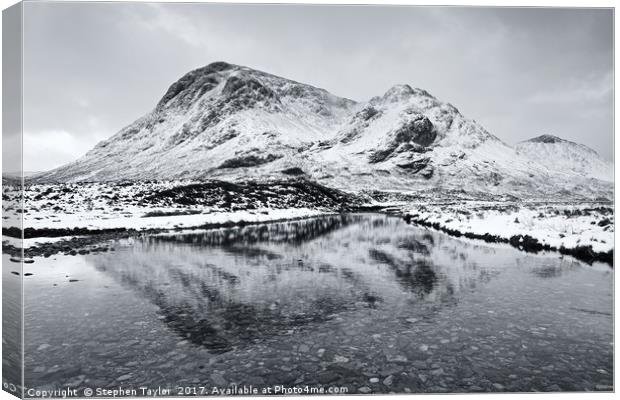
(231, 122)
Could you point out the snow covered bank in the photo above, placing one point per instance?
(80, 216)
(101, 240)
(76, 213)
(166, 205)
(172, 219)
(568, 228)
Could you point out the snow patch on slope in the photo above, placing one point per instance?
(565, 157)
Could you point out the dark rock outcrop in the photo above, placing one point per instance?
(200, 79)
(546, 139)
(415, 134)
(415, 165)
(418, 130)
(359, 122)
(246, 91)
(250, 160)
(293, 171)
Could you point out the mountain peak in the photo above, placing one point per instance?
(201, 78)
(402, 92)
(546, 139)
(220, 66)
(243, 86)
(400, 89)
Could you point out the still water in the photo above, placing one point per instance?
(364, 302)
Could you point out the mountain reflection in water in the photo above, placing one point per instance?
(328, 300)
(226, 287)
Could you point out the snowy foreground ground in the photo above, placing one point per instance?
(64, 213)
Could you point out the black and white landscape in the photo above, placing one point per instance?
(229, 144)
(252, 231)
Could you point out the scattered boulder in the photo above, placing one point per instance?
(415, 165)
(218, 380)
(427, 172)
(381, 155)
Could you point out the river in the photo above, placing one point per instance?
(355, 303)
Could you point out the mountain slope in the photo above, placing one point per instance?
(216, 117)
(231, 122)
(408, 140)
(564, 156)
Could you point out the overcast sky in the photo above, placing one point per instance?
(91, 69)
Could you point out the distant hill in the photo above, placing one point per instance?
(564, 156)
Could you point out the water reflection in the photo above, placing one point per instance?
(290, 232)
(333, 300)
(415, 275)
(553, 269)
(227, 287)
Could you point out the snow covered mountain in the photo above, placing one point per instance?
(564, 156)
(219, 117)
(231, 122)
(408, 140)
